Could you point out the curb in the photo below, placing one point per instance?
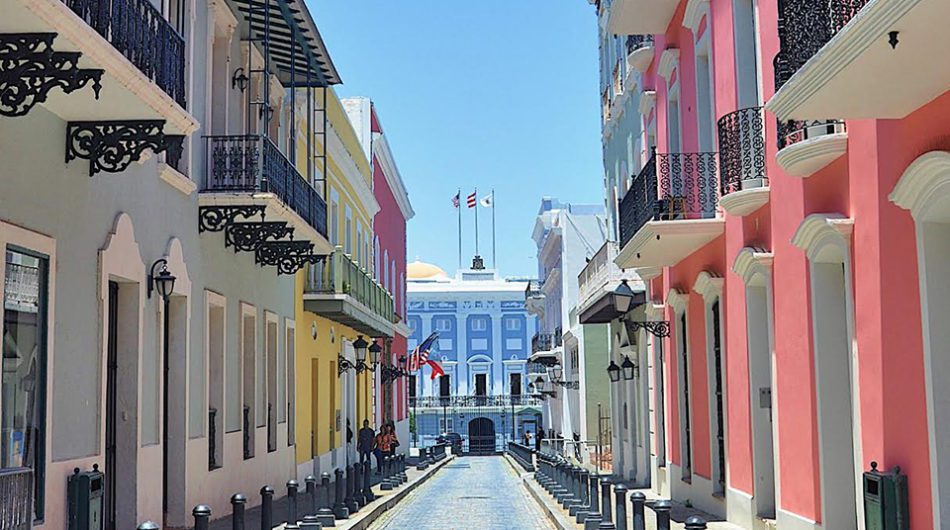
(367, 518)
(558, 519)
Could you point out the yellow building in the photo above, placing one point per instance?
(338, 300)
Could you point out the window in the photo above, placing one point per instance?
(444, 386)
(23, 386)
(446, 425)
(514, 384)
(443, 324)
(334, 217)
(348, 236)
(513, 324)
(480, 324)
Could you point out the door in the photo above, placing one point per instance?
(111, 382)
(481, 436)
(720, 423)
(515, 384)
(684, 370)
(481, 388)
(444, 386)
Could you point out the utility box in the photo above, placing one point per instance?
(885, 499)
(86, 491)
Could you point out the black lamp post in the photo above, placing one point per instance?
(374, 350)
(623, 297)
(629, 369)
(163, 282)
(613, 371)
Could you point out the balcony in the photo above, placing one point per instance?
(640, 52)
(831, 51)
(743, 186)
(462, 402)
(546, 347)
(339, 289)
(806, 146)
(534, 298)
(139, 55)
(636, 17)
(670, 210)
(596, 283)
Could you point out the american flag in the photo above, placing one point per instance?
(472, 201)
(455, 200)
(420, 355)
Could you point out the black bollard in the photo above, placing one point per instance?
(202, 515)
(662, 509)
(292, 487)
(606, 525)
(237, 511)
(358, 485)
(695, 522)
(148, 525)
(621, 506)
(638, 500)
(340, 511)
(368, 482)
(385, 484)
(350, 483)
(311, 485)
(325, 512)
(267, 508)
(581, 514)
(605, 510)
(311, 522)
(402, 469)
(593, 518)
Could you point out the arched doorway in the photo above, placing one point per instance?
(481, 436)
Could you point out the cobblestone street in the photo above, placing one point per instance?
(471, 492)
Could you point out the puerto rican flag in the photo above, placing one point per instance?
(420, 357)
(472, 201)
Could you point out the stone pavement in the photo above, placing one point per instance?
(481, 492)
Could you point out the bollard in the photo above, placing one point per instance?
(593, 512)
(340, 511)
(291, 526)
(292, 487)
(695, 522)
(638, 499)
(310, 521)
(148, 525)
(202, 515)
(384, 482)
(593, 522)
(606, 525)
(237, 511)
(311, 482)
(358, 485)
(349, 501)
(585, 507)
(368, 483)
(325, 513)
(621, 506)
(267, 508)
(402, 469)
(605, 510)
(662, 509)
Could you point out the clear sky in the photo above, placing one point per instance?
(496, 94)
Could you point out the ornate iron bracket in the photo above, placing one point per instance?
(570, 385)
(248, 236)
(657, 328)
(30, 69)
(217, 218)
(112, 146)
(288, 256)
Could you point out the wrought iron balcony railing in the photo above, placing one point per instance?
(253, 163)
(545, 341)
(16, 500)
(793, 131)
(338, 274)
(804, 26)
(137, 29)
(742, 150)
(474, 401)
(635, 42)
(686, 188)
(533, 289)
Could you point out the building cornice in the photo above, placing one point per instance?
(384, 154)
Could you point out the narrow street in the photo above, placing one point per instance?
(482, 492)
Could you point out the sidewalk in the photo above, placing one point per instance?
(358, 521)
(562, 519)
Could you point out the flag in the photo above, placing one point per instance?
(436, 369)
(487, 200)
(455, 200)
(472, 200)
(420, 355)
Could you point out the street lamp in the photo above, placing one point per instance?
(360, 346)
(628, 368)
(556, 372)
(623, 296)
(374, 350)
(613, 371)
(163, 282)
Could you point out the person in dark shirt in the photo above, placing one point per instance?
(366, 442)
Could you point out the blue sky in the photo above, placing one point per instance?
(496, 94)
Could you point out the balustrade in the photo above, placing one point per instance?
(742, 150)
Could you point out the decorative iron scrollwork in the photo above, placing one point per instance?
(112, 146)
(288, 256)
(742, 150)
(657, 328)
(248, 236)
(30, 69)
(217, 218)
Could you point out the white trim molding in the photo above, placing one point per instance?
(753, 261)
(744, 202)
(816, 230)
(648, 273)
(708, 285)
(647, 102)
(677, 300)
(924, 183)
(802, 159)
(669, 61)
(384, 154)
(695, 11)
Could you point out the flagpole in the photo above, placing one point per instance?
(459, 208)
(476, 221)
(494, 264)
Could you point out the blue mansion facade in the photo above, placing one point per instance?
(484, 343)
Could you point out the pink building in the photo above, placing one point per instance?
(790, 219)
(389, 251)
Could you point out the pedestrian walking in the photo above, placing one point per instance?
(382, 448)
(393, 440)
(366, 442)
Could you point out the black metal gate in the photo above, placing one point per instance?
(481, 437)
